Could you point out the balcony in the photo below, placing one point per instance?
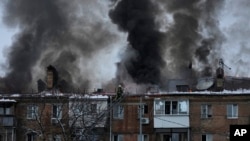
(7, 120)
(171, 113)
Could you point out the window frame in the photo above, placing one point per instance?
(117, 137)
(170, 107)
(32, 112)
(206, 111)
(143, 137)
(93, 108)
(234, 114)
(31, 136)
(118, 112)
(208, 137)
(59, 109)
(144, 110)
(57, 138)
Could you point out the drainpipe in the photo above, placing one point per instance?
(110, 120)
(140, 112)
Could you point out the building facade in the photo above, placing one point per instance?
(188, 116)
(179, 116)
(53, 116)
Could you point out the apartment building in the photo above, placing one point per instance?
(53, 116)
(180, 116)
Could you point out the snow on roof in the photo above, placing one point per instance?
(225, 92)
(89, 96)
(7, 100)
(15, 95)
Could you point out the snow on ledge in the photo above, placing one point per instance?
(224, 92)
(7, 100)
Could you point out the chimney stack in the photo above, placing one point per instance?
(52, 77)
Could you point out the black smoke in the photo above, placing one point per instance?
(68, 34)
(56, 32)
(137, 17)
(193, 36)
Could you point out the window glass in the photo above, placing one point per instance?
(232, 110)
(167, 107)
(32, 111)
(118, 111)
(183, 107)
(1, 110)
(159, 107)
(174, 107)
(57, 111)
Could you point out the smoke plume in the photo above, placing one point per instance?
(189, 39)
(62, 33)
(165, 39)
(138, 19)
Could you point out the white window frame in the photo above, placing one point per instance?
(32, 111)
(117, 137)
(58, 114)
(206, 111)
(145, 137)
(160, 107)
(209, 137)
(232, 111)
(118, 112)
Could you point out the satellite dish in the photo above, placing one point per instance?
(205, 83)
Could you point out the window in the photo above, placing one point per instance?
(159, 107)
(117, 138)
(57, 138)
(171, 107)
(232, 111)
(144, 137)
(32, 112)
(207, 137)
(30, 136)
(77, 110)
(93, 108)
(144, 110)
(118, 111)
(5, 111)
(206, 111)
(57, 111)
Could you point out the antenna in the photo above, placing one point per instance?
(222, 65)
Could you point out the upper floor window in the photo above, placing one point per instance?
(5, 111)
(57, 138)
(32, 111)
(232, 111)
(144, 110)
(57, 111)
(31, 136)
(206, 111)
(144, 137)
(174, 107)
(117, 138)
(118, 111)
(207, 137)
(93, 108)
